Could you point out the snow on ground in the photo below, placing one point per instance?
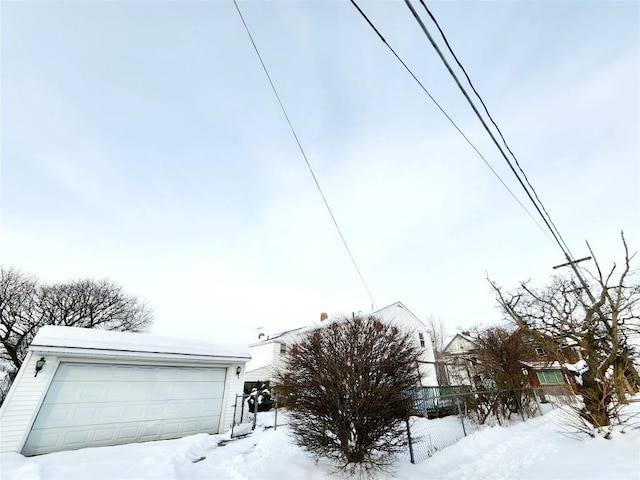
(535, 449)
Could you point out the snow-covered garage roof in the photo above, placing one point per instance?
(74, 340)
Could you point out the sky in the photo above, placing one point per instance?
(141, 142)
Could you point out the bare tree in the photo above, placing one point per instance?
(347, 386)
(26, 305)
(499, 353)
(20, 318)
(439, 335)
(601, 319)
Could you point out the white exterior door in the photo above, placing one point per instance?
(93, 404)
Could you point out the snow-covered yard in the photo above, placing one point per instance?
(534, 449)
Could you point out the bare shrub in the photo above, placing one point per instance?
(346, 386)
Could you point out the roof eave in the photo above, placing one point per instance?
(138, 355)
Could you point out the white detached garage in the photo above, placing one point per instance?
(100, 388)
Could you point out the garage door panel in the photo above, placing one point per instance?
(76, 439)
(51, 416)
(94, 391)
(104, 434)
(82, 372)
(150, 432)
(86, 407)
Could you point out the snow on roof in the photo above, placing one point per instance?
(105, 340)
(281, 335)
(542, 365)
(388, 313)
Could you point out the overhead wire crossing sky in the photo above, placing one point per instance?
(504, 141)
(304, 155)
(448, 117)
(529, 191)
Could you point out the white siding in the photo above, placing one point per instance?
(234, 386)
(399, 315)
(23, 400)
(267, 357)
(459, 345)
(263, 354)
(262, 374)
(459, 367)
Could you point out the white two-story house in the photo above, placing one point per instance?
(267, 354)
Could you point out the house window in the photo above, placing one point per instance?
(283, 348)
(549, 377)
(540, 351)
(421, 336)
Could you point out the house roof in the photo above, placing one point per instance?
(388, 312)
(78, 340)
(280, 336)
(542, 365)
(458, 335)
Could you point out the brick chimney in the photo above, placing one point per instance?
(323, 316)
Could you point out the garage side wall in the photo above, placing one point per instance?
(17, 412)
(234, 386)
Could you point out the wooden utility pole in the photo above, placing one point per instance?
(572, 264)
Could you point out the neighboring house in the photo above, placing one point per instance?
(547, 374)
(459, 360)
(403, 318)
(267, 355)
(546, 369)
(81, 387)
(541, 368)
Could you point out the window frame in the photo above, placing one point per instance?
(557, 374)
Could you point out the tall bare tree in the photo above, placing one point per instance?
(438, 331)
(601, 320)
(20, 317)
(26, 305)
(346, 386)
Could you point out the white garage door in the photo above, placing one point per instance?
(90, 405)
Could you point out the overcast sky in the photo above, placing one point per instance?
(141, 142)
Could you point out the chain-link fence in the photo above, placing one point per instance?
(248, 413)
(445, 415)
(244, 416)
(441, 416)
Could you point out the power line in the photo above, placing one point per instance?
(449, 118)
(304, 155)
(504, 141)
(554, 231)
(484, 124)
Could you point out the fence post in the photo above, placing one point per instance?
(275, 421)
(535, 396)
(464, 430)
(235, 410)
(413, 460)
(516, 394)
(255, 413)
(241, 408)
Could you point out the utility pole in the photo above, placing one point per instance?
(572, 264)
